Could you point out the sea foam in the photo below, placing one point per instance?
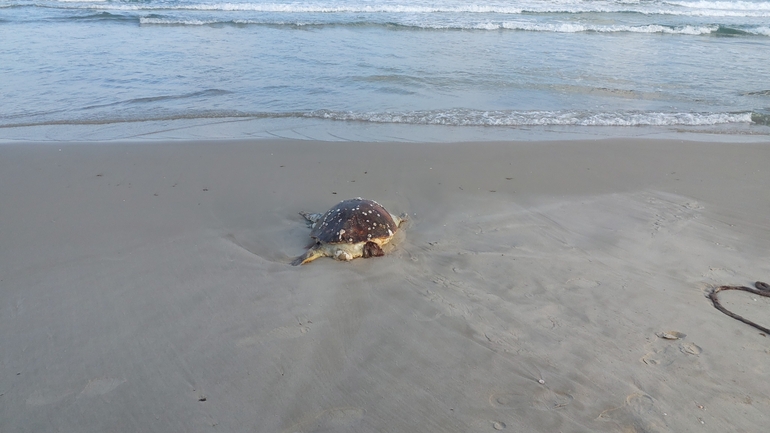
(465, 117)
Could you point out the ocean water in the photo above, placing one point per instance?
(382, 69)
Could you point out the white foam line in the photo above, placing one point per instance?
(537, 118)
(556, 28)
(575, 28)
(765, 31)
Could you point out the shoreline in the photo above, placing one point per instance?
(147, 285)
(268, 129)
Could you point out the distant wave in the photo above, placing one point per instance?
(681, 8)
(724, 5)
(100, 16)
(150, 99)
(508, 25)
(578, 28)
(318, 8)
(761, 117)
(125, 104)
(453, 117)
(758, 93)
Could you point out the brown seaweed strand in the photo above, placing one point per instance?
(763, 289)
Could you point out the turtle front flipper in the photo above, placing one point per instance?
(310, 255)
(371, 249)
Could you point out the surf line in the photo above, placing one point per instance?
(762, 289)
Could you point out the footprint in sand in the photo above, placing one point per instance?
(94, 387)
(550, 406)
(42, 398)
(543, 399)
(100, 386)
(717, 274)
(657, 357)
(639, 413)
(690, 349)
(547, 399)
(498, 425)
(578, 283)
(330, 420)
(664, 351)
(282, 333)
(499, 340)
(450, 308)
(671, 213)
(504, 400)
(670, 335)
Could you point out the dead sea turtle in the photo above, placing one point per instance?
(353, 228)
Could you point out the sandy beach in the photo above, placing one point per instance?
(146, 287)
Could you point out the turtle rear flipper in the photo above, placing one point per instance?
(404, 217)
(310, 255)
(311, 218)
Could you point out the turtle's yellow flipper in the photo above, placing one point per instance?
(310, 255)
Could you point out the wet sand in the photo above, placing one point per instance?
(147, 287)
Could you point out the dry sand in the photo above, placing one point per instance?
(525, 294)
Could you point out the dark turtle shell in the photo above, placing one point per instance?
(352, 221)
